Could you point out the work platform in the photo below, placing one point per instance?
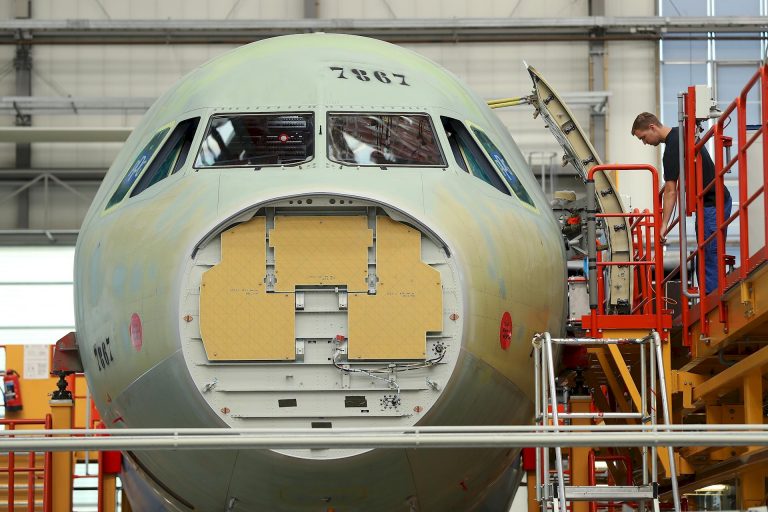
(715, 346)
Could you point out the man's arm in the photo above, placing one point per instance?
(668, 200)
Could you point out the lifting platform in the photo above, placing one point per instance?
(713, 348)
(722, 337)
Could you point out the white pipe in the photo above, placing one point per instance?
(555, 420)
(477, 429)
(414, 440)
(599, 341)
(598, 415)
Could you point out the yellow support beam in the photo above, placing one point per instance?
(109, 493)
(618, 391)
(753, 399)
(746, 312)
(725, 415)
(684, 383)
(530, 483)
(731, 378)
(629, 382)
(62, 464)
(751, 490)
(578, 462)
(613, 382)
(125, 505)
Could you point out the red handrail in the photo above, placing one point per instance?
(695, 201)
(31, 469)
(592, 457)
(647, 263)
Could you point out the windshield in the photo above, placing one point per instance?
(256, 140)
(383, 140)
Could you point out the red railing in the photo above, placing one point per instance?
(758, 84)
(34, 472)
(592, 478)
(647, 310)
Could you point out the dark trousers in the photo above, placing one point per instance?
(710, 250)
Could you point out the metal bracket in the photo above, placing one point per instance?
(66, 355)
(747, 298)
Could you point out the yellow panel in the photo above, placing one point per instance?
(238, 319)
(409, 302)
(321, 251)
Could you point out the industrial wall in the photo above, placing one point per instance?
(494, 70)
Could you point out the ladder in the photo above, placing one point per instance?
(651, 370)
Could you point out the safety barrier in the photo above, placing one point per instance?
(647, 310)
(751, 192)
(33, 471)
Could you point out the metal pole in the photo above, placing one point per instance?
(87, 423)
(546, 488)
(654, 401)
(598, 415)
(592, 243)
(537, 409)
(392, 441)
(181, 433)
(665, 412)
(681, 202)
(555, 420)
(644, 407)
(598, 341)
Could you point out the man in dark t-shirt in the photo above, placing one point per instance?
(650, 130)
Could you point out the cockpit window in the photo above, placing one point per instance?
(469, 156)
(503, 166)
(171, 156)
(257, 140)
(138, 165)
(383, 140)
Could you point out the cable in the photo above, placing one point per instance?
(390, 369)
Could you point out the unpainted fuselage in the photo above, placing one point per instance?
(141, 261)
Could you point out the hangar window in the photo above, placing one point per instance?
(171, 156)
(383, 140)
(257, 140)
(138, 165)
(502, 165)
(469, 156)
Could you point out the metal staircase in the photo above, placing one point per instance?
(653, 389)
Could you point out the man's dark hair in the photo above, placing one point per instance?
(644, 120)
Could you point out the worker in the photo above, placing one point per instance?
(650, 130)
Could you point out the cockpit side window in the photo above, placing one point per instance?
(469, 156)
(171, 156)
(383, 140)
(138, 165)
(503, 166)
(257, 140)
